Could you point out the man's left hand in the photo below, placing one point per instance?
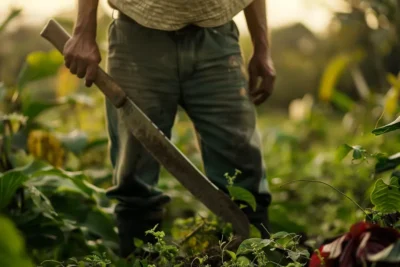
(261, 66)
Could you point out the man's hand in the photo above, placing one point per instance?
(81, 52)
(261, 68)
(82, 57)
(260, 65)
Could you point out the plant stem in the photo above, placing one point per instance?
(337, 190)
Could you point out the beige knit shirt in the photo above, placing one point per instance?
(171, 15)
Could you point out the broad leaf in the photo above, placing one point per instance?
(243, 261)
(342, 101)
(9, 183)
(386, 198)
(42, 203)
(239, 193)
(279, 235)
(39, 65)
(387, 163)
(41, 169)
(343, 151)
(248, 245)
(101, 224)
(393, 126)
(34, 108)
(333, 72)
(12, 247)
(231, 254)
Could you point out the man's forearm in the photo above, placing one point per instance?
(86, 21)
(256, 17)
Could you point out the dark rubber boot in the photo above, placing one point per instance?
(134, 226)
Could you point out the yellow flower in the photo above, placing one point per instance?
(45, 146)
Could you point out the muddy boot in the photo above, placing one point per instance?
(132, 226)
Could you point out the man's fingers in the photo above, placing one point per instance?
(91, 74)
(67, 61)
(81, 70)
(260, 99)
(73, 68)
(264, 91)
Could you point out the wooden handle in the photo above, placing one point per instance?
(56, 35)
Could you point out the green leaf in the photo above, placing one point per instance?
(294, 255)
(386, 198)
(279, 235)
(342, 101)
(101, 224)
(333, 72)
(39, 65)
(395, 125)
(9, 183)
(254, 232)
(34, 108)
(343, 151)
(12, 15)
(358, 152)
(12, 246)
(387, 163)
(239, 193)
(243, 261)
(391, 254)
(231, 254)
(138, 242)
(42, 203)
(248, 245)
(40, 169)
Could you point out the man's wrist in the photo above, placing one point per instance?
(86, 24)
(261, 45)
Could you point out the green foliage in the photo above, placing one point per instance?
(39, 65)
(12, 246)
(393, 126)
(386, 197)
(9, 184)
(63, 212)
(239, 193)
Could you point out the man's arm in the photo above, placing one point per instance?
(81, 52)
(260, 64)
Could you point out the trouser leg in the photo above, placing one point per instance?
(215, 95)
(142, 61)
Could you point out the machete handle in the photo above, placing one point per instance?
(56, 35)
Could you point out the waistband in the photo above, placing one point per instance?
(187, 29)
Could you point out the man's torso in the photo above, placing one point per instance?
(170, 15)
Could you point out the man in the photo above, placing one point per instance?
(166, 53)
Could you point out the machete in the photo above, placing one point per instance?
(158, 145)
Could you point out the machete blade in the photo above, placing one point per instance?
(176, 163)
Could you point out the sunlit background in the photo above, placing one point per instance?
(315, 14)
(337, 63)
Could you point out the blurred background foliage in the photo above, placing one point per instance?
(332, 89)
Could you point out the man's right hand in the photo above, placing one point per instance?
(82, 56)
